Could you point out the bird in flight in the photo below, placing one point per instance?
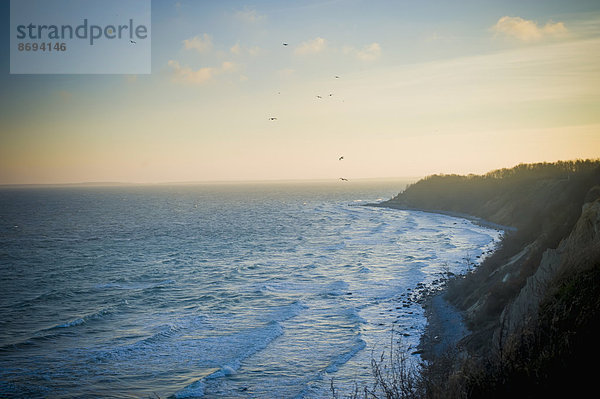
(319, 97)
(337, 77)
(272, 118)
(132, 41)
(340, 158)
(342, 179)
(285, 44)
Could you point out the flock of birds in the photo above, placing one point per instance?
(341, 178)
(273, 118)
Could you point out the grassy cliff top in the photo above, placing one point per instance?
(524, 196)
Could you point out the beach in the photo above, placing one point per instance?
(445, 327)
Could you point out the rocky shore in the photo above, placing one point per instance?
(445, 327)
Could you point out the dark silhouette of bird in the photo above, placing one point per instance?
(272, 118)
(337, 77)
(285, 44)
(340, 158)
(342, 179)
(132, 41)
(330, 95)
(319, 97)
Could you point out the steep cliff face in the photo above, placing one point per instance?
(573, 254)
(533, 306)
(556, 216)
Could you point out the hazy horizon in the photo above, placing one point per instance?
(222, 182)
(396, 88)
(331, 180)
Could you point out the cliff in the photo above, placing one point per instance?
(533, 307)
(573, 256)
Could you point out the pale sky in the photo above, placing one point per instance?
(423, 87)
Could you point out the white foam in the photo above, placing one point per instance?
(281, 295)
(194, 390)
(343, 358)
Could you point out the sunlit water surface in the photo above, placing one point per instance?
(262, 291)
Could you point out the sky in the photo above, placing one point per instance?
(398, 88)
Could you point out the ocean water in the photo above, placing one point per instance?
(232, 291)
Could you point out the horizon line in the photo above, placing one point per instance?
(200, 182)
(267, 181)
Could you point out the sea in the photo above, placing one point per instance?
(229, 290)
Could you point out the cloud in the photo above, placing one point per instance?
(187, 75)
(250, 16)
(236, 49)
(368, 53)
(228, 66)
(527, 30)
(311, 46)
(200, 44)
(239, 50)
(255, 50)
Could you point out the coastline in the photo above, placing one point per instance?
(474, 219)
(445, 324)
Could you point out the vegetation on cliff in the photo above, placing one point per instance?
(528, 196)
